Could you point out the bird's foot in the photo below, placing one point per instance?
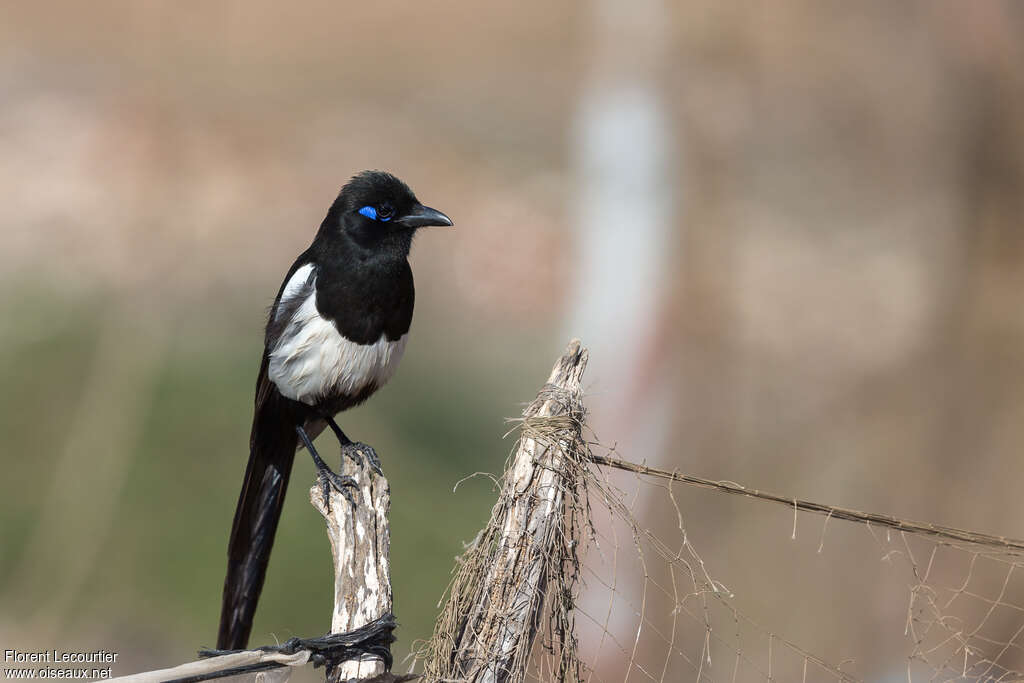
(332, 480)
(361, 452)
(327, 478)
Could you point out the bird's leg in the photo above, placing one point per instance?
(342, 437)
(324, 475)
(353, 448)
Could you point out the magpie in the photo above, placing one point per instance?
(334, 335)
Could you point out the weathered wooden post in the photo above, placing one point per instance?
(360, 543)
(503, 587)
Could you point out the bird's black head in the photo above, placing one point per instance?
(379, 213)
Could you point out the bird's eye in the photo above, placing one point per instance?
(383, 213)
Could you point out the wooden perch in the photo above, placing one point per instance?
(499, 596)
(360, 543)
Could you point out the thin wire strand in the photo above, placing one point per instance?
(847, 514)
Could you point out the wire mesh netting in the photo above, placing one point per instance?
(652, 609)
(629, 597)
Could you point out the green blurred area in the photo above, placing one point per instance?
(158, 568)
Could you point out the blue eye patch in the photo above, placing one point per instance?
(371, 213)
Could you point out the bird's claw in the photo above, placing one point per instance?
(339, 482)
(360, 452)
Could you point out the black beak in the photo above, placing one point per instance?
(421, 216)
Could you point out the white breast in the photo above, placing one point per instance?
(312, 359)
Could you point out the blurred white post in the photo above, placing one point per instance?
(624, 209)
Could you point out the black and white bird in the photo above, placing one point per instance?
(335, 334)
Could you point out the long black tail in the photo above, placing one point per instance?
(271, 452)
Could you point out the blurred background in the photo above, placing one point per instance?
(789, 232)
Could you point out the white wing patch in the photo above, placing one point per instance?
(312, 359)
(295, 284)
